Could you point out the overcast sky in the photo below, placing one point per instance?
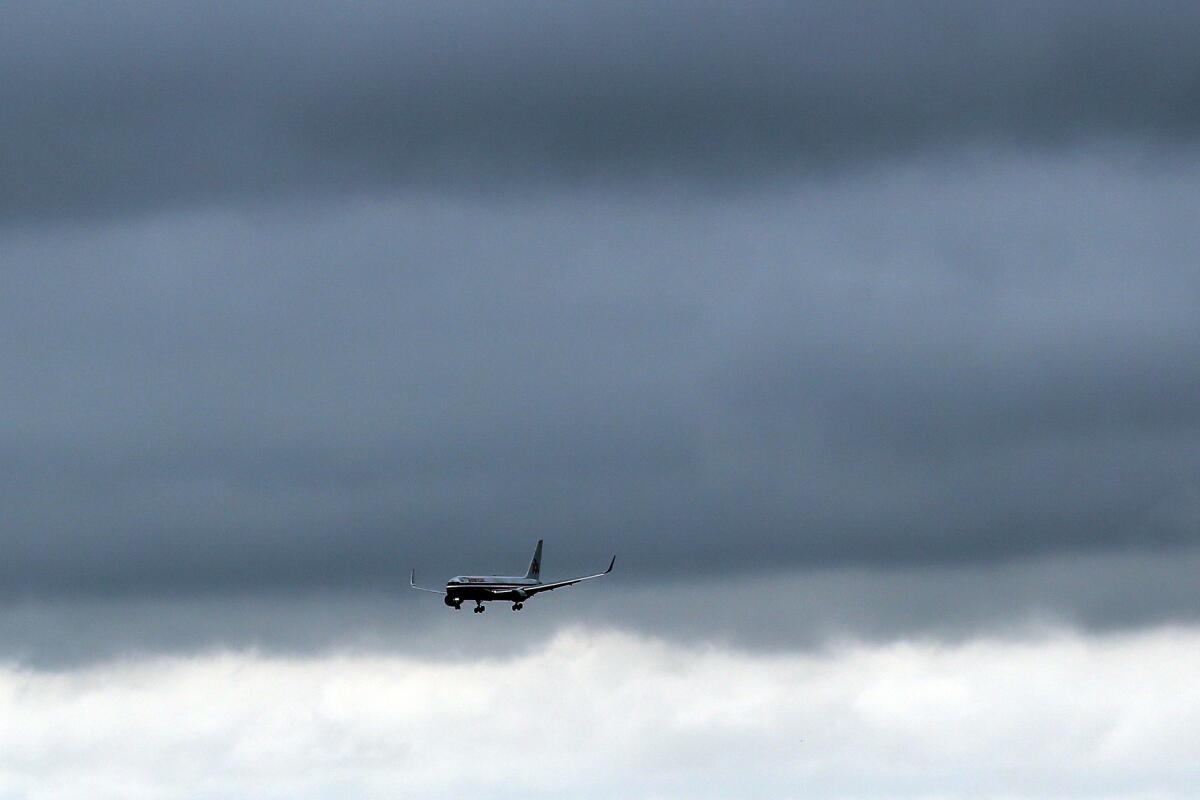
(838, 323)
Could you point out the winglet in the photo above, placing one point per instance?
(610, 565)
(412, 581)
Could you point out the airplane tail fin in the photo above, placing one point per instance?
(535, 566)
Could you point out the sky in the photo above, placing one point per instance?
(864, 334)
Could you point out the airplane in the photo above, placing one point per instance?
(485, 588)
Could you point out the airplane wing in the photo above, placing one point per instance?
(412, 581)
(545, 587)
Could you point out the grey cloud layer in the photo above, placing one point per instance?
(774, 612)
(931, 365)
(135, 105)
(870, 299)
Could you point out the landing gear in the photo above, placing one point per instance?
(478, 609)
(518, 606)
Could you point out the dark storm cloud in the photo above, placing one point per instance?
(1106, 593)
(832, 375)
(115, 106)
(341, 347)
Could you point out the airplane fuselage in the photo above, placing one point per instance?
(487, 587)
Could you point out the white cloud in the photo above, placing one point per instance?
(616, 714)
